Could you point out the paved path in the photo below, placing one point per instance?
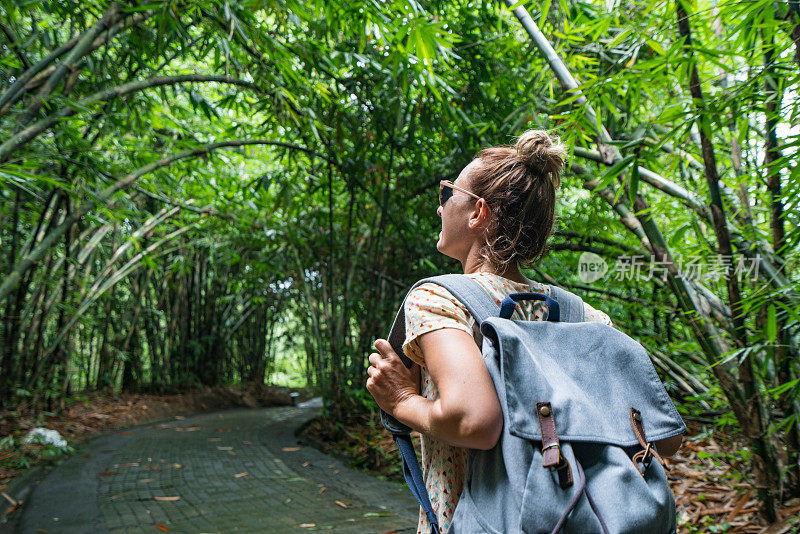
(232, 471)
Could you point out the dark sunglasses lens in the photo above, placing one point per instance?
(444, 194)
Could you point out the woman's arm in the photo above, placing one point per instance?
(467, 412)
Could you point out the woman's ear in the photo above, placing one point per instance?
(481, 215)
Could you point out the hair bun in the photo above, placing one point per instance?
(539, 152)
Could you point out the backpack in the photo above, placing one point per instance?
(582, 406)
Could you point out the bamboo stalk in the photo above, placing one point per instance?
(26, 135)
(35, 75)
(78, 51)
(750, 417)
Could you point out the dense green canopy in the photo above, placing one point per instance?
(210, 191)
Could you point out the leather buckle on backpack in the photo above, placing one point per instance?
(647, 450)
(644, 456)
(552, 446)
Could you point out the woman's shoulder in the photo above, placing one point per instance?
(431, 297)
(496, 285)
(430, 292)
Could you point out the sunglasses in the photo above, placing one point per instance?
(446, 188)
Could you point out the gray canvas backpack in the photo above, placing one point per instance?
(582, 406)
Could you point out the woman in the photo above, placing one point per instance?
(496, 217)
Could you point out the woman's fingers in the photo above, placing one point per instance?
(389, 381)
(384, 347)
(374, 358)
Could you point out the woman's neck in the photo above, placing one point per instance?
(473, 265)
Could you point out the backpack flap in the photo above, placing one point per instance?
(591, 374)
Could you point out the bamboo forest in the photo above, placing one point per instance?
(222, 193)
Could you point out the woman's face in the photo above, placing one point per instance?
(456, 237)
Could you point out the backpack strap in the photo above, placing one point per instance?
(570, 305)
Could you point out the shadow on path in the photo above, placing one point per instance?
(232, 471)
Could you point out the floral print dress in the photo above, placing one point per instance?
(431, 307)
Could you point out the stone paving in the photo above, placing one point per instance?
(232, 471)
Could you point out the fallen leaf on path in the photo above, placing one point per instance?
(738, 508)
(307, 525)
(146, 480)
(162, 528)
(290, 449)
(336, 472)
(240, 475)
(177, 466)
(778, 528)
(305, 464)
(340, 503)
(13, 508)
(287, 501)
(214, 439)
(322, 489)
(788, 512)
(167, 499)
(224, 448)
(179, 417)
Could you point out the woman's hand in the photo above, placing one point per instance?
(390, 381)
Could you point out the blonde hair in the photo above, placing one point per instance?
(519, 184)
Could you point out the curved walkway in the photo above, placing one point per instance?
(232, 471)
